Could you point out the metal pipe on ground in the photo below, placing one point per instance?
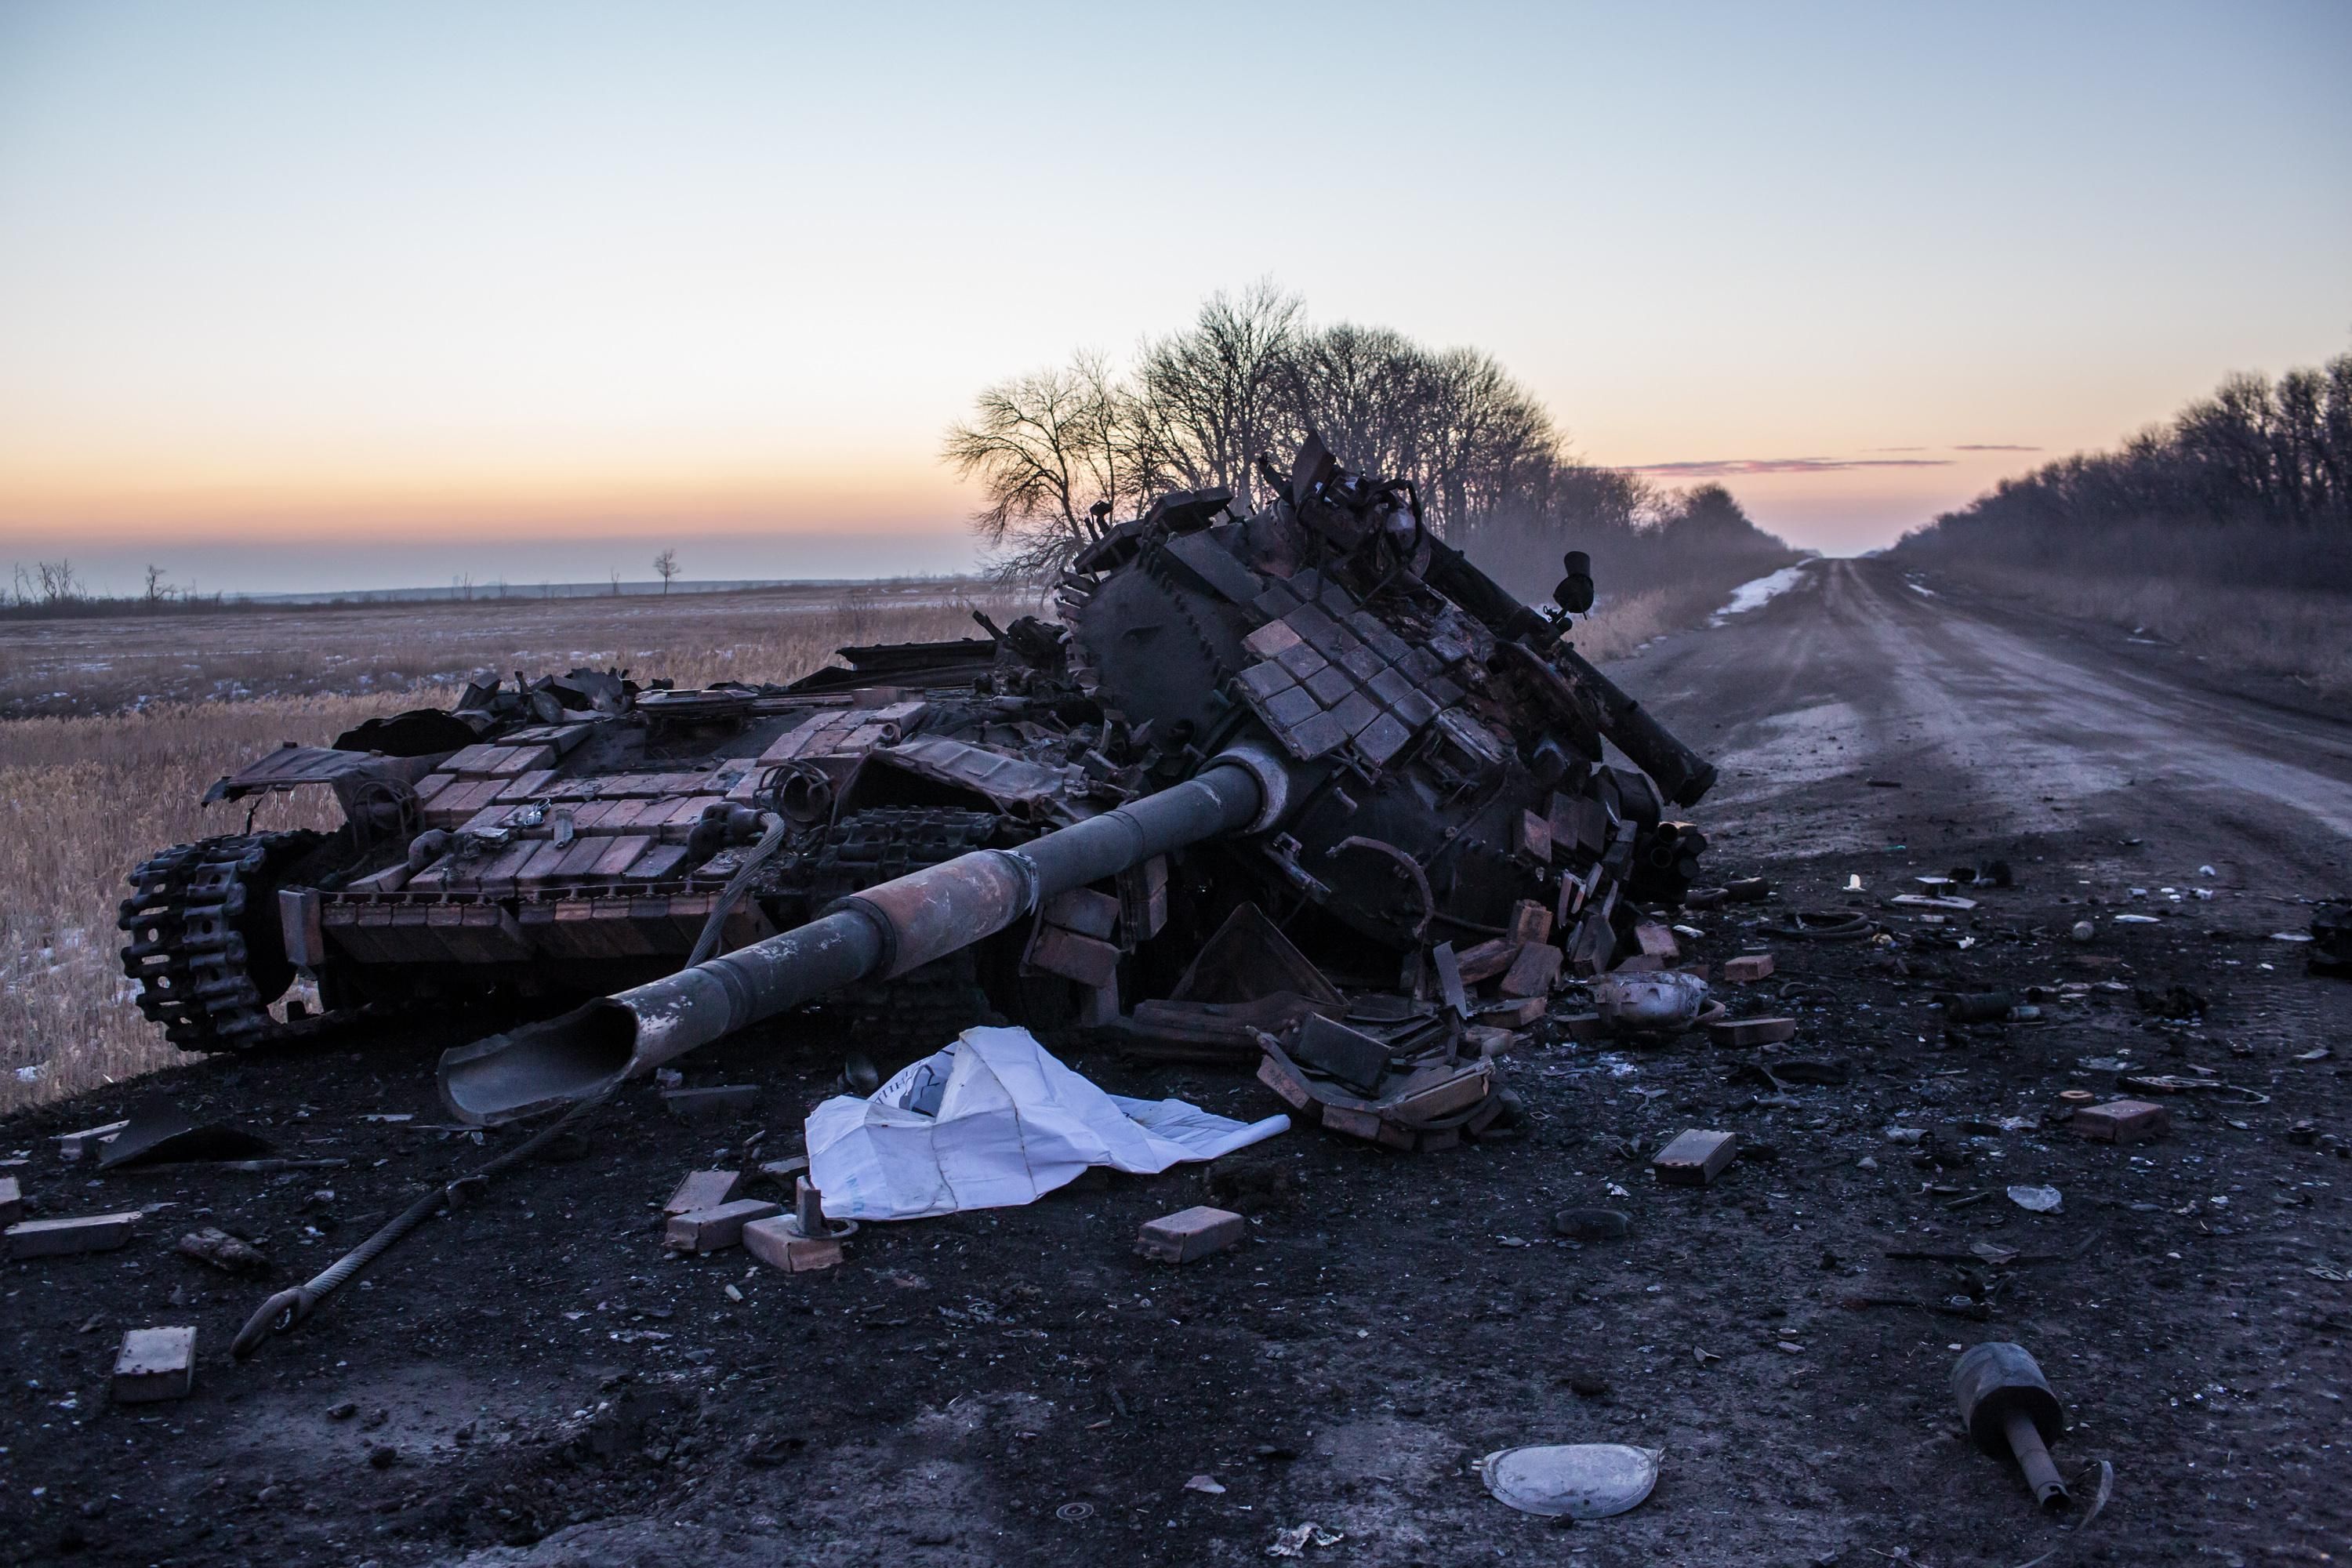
(884, 930)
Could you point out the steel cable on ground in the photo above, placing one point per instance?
(282, 1311)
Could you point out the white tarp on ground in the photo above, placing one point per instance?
(1011, 1124)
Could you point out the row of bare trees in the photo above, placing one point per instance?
(2256, 452)
(1057, 449)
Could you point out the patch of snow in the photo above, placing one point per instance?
(1918, 588)
(1762, 591)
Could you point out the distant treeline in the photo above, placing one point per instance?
(1059, 451)
(2251, 485)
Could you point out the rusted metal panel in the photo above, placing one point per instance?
(544, 858)
(1085, 911)
(618, 929)
(476, 762)
(656, 863)
(580, 858)
(526, 785)
(299, 922)
(1084, 959)
(788, 744)
(619, 854)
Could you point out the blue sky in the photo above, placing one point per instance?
(314, 295)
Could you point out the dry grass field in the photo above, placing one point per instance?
(109, 664)
(134, 717)
(2304, 634)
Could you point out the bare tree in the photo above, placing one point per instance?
(158, 588)
(1056, 450)
(58, 584)
(1053, 453)
(666, 567)
(1209, 399)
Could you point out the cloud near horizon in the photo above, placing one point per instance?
(1994, 447)
(1732, 468)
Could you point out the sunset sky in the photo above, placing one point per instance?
(313, 296)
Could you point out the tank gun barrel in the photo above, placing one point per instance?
(883, 931)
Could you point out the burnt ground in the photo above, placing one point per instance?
(533, 1382)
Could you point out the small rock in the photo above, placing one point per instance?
(342, 1412)
(1593, 1224)
(230, 1254)
(383, 1456)
(2084, 930)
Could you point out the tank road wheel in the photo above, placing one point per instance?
(205, 949)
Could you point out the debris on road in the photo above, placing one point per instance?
(12, 1201)
(2034, 1200)
(2122, 1122)
(73, 1146)
(154, 1364)
(159, 1133)
(1742, 1033)
(801, 1242)
(2008, 1408)
(1575, 1481)
(1190, 1233)
(64, 1237)
(1593, 1224)
(1821, 925)
(217, 1248)
(1696, 1158)
(1295, 1540)
(1661, 1002)
(1975, 1007)
(715, 1229)
(705, 1190)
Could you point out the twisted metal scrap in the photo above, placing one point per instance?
(282, 1311)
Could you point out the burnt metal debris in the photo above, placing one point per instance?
(1314, 719)
(2008, 1408)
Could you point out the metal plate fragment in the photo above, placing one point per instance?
(1574, 1481)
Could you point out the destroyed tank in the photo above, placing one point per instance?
(1316, 708)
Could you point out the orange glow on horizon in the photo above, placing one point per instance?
(296, 507)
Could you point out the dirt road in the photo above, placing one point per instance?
(532, 1382)
(1999, 720)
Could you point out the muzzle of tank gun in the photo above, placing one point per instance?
(884, 931)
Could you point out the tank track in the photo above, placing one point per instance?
(872, 846)
(204, 949)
